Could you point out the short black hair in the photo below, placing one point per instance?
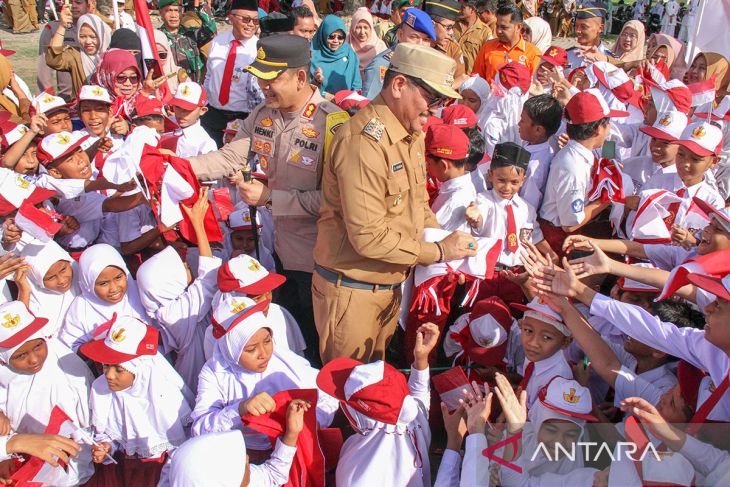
(484, 5)
(583, 131)
(679, 313)
(300, 12)
(147, 118)
(477, 147)
(512, 10)
(546, 111)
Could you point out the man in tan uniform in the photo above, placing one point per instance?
(471, 33)
(375, 208)
(445, 14)
(287, 134)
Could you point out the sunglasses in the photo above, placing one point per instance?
(336, 37)
(245, 19)
(162, 55)
(121, 79)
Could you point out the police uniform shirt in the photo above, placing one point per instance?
(374, 74)
(493, 209)
(455, 195)
(193, 141)
(240, 95)
(575, 61)
(567, 185)
(685, 343)
(537, 172)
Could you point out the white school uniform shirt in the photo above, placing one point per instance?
(567, 185)
(479, 178)
(221, 387)
(181, 311)
(703, 190)
(545, 370)
(455, 195)
(537, 172)
(709, 462)
(87, 210)
(400, 451)
(494, 223)
(135, 222)
(640, 169)
(688, 344)
(239, 99)
(630, 141)
(660, 378)
(193, 141)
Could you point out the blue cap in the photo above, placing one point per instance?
(420, 21)
(590, 9)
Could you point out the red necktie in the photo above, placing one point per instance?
(528, 373)
(703, 411)
(511, 230)
(228, 73)
(673, 208)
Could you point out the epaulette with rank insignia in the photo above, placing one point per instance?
(374, 129)
(388, 55)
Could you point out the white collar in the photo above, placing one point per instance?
(456, 184)
(550, 364)
(587, 154)
(533, 148)
(503, 203)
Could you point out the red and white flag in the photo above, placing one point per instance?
(715, 264)
(145, 31)
(36, 472)
(41, 224)
(451, 385)
(702, 92)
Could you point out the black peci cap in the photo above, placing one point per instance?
(276, 23)
(510, 154)
(448, 9)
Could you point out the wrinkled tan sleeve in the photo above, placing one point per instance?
(226, 160)
(362, 181)
(60, 58)
(293, 202)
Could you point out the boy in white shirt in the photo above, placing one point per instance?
(189, 105)
(447, 148)
(540, 120)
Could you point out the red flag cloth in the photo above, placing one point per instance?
(146, 33)
(307, 469)
(607, 182)
(153, 168)
(223, 203)
(450, 385)
(715, 264)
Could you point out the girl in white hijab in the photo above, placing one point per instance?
(246, 370)
(140, 406)
(540, 34)
(475, 94)
(179, 306)
(42, 373)
(106, 288)
(53, 279)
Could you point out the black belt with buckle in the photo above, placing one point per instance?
(338, 279)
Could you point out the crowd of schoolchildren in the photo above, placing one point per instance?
(139, 313)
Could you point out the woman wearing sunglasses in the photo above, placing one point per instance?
(119, 74)
(335, 66)
(167, 59)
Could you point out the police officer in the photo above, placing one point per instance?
(416, 28)
(589, 19)
(287, 134)
(375, 208)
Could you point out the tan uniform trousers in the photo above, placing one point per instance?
(21, 15)
(354, 323)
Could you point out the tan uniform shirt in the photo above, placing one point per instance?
(291, 153)
(374, 200)
(452, 49)
(471, 41)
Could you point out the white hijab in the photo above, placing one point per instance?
(400, 450)
(480, 87)
(43, 301)
(542, 36)
(27, 400)
(178, 309)
(151, 416)
(88, 311)
(104, 36)
(212, 460)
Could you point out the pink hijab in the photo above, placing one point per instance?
(367, 50)
(675, 53)
(113, 63)
(637, 52)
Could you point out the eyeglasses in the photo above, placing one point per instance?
(445, 26)
(121, 79)
(433, 100)
(629, 35)
(245, 19)
(336, 37)
(162, 55)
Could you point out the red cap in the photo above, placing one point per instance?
(121, 340)
(714, 285)
(515, 74)
(431, 121)
(447, 142)
(557, 56)
(376, 390)
(590, 106)
(459, 116)
(144, 106)
(247, 275)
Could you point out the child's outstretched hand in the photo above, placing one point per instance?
(455, 426)
(11, 232)
(70, 225)
(99, 453)
(259, 404)
(38, 123)
(197, 212)
(514, 409)
(473, 215)
(683, 237)
(295, 420)
(427, 338)
(478, 407)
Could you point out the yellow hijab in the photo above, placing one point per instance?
(6, 74)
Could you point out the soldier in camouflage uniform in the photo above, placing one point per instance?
(186, 42)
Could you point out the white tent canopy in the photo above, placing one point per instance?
(710, 32)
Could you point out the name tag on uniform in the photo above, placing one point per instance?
(397, 166)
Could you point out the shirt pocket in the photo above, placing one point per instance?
(397, 193)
